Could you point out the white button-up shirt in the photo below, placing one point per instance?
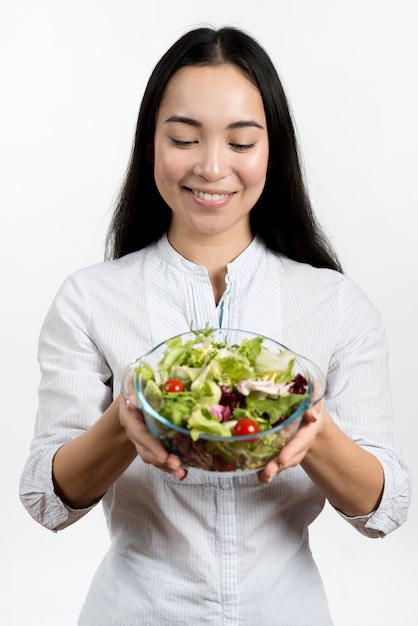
(213, 549)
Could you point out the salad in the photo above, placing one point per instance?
(213, 391)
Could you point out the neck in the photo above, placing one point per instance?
(210, 253)
(209, 249)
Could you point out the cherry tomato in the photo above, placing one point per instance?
(173, 385)
(246, 426)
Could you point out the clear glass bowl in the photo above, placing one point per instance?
(242, 453)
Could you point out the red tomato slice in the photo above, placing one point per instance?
(246, 426)
(173, 385)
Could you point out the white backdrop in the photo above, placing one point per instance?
(72, 74)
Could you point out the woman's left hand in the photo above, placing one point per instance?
(294, 452)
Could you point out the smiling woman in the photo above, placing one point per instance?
(210, 162)
(213, 228)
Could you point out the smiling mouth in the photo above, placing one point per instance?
(209, 197)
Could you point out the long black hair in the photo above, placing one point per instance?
(282, 217)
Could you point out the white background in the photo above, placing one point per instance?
(72, 75)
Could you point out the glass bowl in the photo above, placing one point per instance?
(212, 441)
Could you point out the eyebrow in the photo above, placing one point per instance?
(191, 122)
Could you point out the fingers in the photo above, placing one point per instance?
(294, 452)
(147, 446)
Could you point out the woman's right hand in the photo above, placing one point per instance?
(148, 447)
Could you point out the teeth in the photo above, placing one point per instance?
(209, 197)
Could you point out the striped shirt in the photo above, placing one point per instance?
(213, 549)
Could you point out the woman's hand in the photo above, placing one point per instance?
(148, 447)
(294, 452)
(349, 476)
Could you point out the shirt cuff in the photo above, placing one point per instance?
(393, 507)
(42, 503)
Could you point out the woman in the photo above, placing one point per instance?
(213, 227)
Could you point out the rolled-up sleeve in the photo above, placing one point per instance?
(393, 508)
(37, 492)
(74, 391)
(359, 399)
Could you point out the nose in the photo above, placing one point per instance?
(212, 161)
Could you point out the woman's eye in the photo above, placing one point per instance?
(241, 147)
(183, 144)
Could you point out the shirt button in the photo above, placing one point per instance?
(225, 486)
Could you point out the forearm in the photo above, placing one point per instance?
(84, 468)
(351, 478)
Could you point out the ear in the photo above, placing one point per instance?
(149, 153)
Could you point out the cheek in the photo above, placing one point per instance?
(255, 170)
(168, 162)
(166, 168)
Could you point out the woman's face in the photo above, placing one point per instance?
(211, 150)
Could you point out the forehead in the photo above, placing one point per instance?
(206, 90)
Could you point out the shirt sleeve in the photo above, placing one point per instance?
(359, 400)
(75, 389)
